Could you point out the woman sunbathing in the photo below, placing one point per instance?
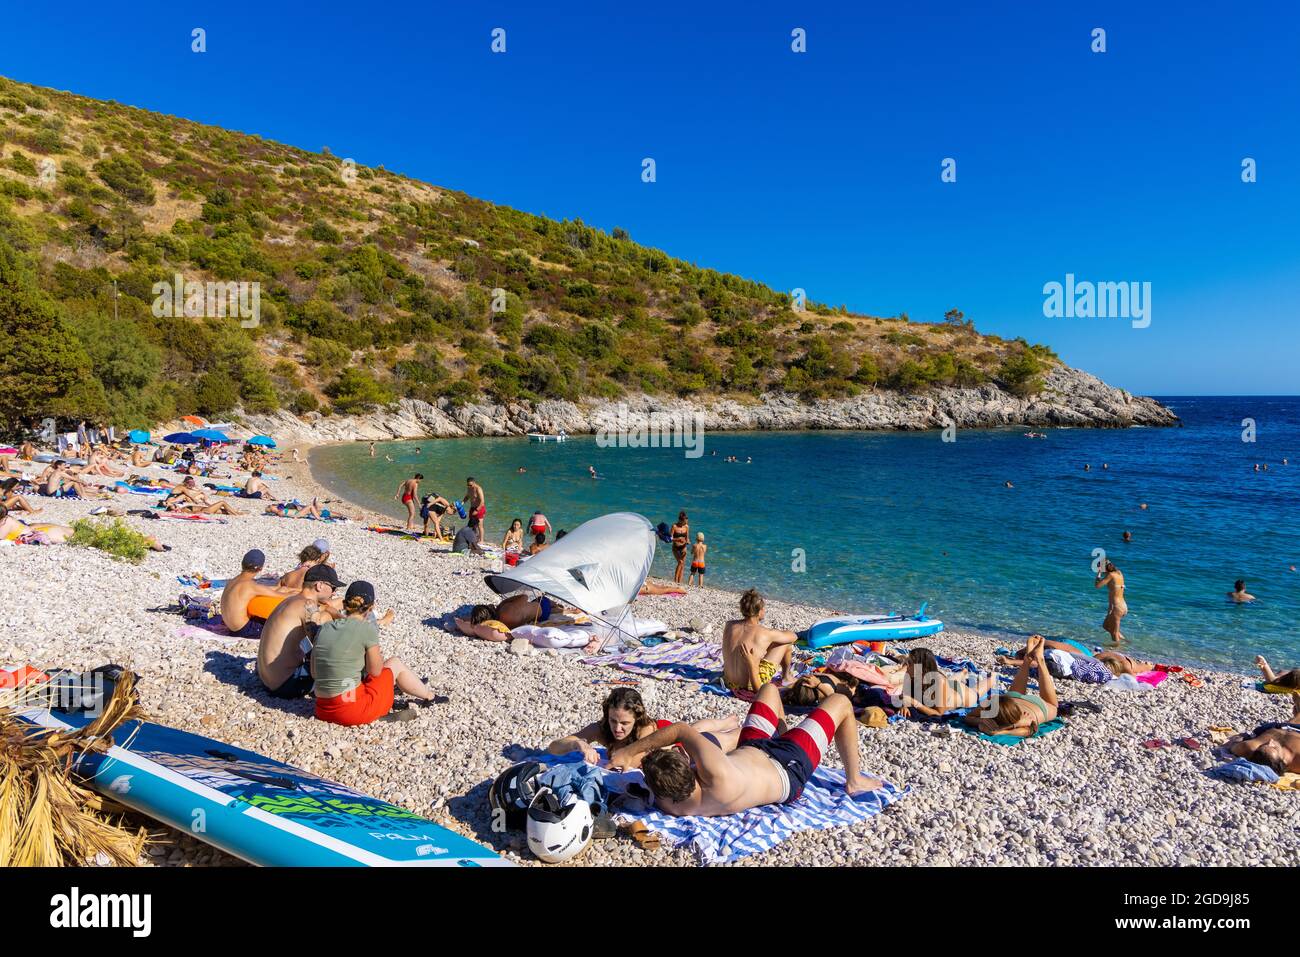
(810, 690)
(1085, 666)
(494, 624)
(1287, 679)
(624, 720)
(1016, 712)
(11, 500)
(929, 690)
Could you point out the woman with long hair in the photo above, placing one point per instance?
(929, 690)
(1016, 712)
(624, 720)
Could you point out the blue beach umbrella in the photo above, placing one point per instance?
(139, 436)
(182, 438)
(210, 435)
(262, 440)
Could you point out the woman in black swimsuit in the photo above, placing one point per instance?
(681, 534)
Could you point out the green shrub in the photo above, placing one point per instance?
(127, 178)
(116, 538)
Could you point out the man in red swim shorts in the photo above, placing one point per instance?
(765, 768)
(409, 493)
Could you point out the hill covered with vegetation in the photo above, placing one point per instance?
(374, 287)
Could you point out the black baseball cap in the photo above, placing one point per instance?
(322, 573)
(362, 590)
(254, 559)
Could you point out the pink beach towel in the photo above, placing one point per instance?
(1152, 678)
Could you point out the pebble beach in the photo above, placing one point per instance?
(1090, 794)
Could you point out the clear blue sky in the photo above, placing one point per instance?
(818, 170)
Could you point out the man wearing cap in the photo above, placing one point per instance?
(241, 590)
(284, 653)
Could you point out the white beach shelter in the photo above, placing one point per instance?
(599, 567)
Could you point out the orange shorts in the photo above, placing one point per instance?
(367, 702)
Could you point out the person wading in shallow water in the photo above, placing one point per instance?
(1113, 579)
(681, 539)
(409, 493)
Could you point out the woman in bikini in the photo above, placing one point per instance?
(681, 537)
(1016, 712)
(929, 690)
(624, 720)
(514, 540)
(1113, 579)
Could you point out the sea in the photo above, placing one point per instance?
(876, 522)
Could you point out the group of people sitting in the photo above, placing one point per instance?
(313, 642)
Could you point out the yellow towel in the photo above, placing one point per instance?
(1288, 782)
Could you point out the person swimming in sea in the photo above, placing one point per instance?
(1113, 579)
(1128, 536)
(1239, 595)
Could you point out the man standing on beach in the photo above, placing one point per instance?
(409, 493)
(475, 506)
(753, 654)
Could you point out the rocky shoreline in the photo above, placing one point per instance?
(1070, 398)
(1090, 794)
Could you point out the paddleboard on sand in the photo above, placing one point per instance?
(258, 809)
(839, 631)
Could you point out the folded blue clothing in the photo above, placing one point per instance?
(1243, 771)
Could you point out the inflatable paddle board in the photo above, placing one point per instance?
(839, 631)
(258, 809)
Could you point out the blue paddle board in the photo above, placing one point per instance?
(258, 809)
(840, 631)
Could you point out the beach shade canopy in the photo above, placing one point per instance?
(182, 438)
(139, 436)
(599, 567)
(262, 440)
(210, 435)
(194, 420)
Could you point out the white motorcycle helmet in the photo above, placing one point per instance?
(558, 833)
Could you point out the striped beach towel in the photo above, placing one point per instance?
(720, 840)
(699, 663)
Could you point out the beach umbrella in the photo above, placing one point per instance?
(182, 438)
(210, 435)
(194, 420)
(262, 440)
(139, 436)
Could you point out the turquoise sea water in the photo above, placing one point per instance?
(888, 520)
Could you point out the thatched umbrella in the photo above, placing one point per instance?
(47, 819)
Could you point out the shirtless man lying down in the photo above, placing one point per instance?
(699, 778)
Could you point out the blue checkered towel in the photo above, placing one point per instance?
(822, 806)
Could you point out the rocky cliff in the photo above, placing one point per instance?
(1069, 397)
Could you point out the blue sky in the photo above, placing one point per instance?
(818, 170)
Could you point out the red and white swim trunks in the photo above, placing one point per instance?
(797, 753)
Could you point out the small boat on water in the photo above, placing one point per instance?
(547, 436)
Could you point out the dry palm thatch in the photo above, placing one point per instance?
(47, 819)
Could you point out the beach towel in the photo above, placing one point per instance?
(1047, 727)
(719, 840)
(551, 636)
(699, 663)
(1152, 678)
(1242, 771)
(142, 489)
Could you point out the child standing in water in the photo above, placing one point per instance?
(697, 560)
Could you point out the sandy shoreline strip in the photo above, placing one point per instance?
(1088, 794)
